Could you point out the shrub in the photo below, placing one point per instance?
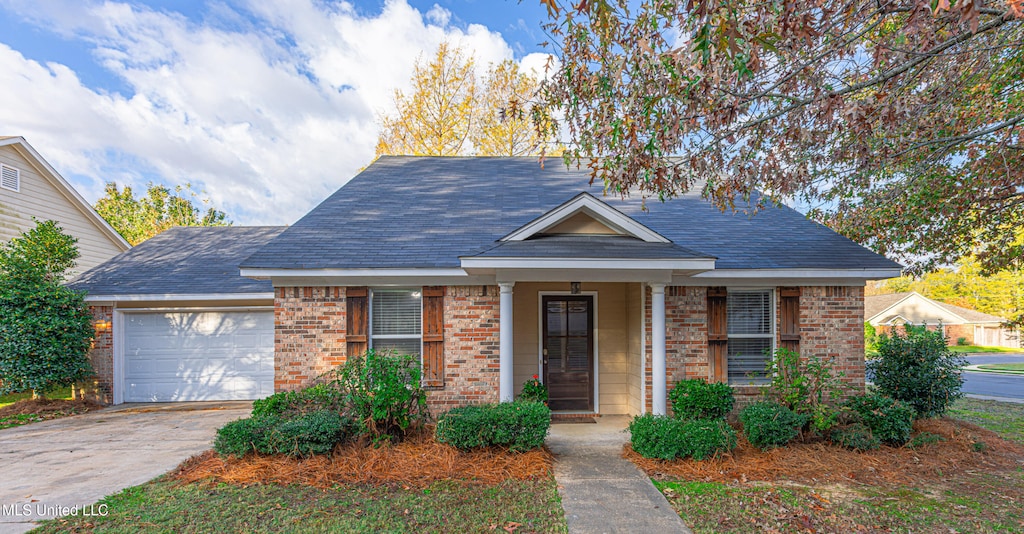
(962, 342)
(890, 420)
(240, 437)
(770, 424)
(697, 399)
(534, 391)
(806, 386)
(917, 367)
(384, 394)
(666, 438)
(305, 435)
(925, 438)
(870, 339)
(326, 396)
(520, 426)
(856, 436)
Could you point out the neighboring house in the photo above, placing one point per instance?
(974, 327)
(30, 187)
(493, 270)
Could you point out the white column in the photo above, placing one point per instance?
(505, 393)
(658, 395)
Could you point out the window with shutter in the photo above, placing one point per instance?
(718, 335)
(751, 335)
(395, 320)
(433, 336)
(10, 178)
(357, 321)
(789, 318)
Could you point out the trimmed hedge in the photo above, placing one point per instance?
(856, 437)
(519, 425)
(915, 366)
(697, 399)
(666, 438)
(301, 401)
(890, 420)
(305, 435)
(770, 424)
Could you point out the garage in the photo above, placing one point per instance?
(197, 355)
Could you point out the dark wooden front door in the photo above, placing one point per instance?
(569, 351)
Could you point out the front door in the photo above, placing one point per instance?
(569, 351)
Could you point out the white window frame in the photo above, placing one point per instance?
(17, 178)
(772, 334)
(371, 336)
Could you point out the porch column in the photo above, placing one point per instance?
(658, 395)
(505, 343)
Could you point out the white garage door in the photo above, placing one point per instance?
(196, 356)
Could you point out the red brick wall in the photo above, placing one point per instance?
(309, 334)
(100, 388)
(471, 339)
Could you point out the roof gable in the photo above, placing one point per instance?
(916, 308)
(573, 214)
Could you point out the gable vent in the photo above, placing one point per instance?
(10, 178)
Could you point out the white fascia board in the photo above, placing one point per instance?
(672, 264)
(260, 273)
(586, 203)
(662, 276)
(204, 297)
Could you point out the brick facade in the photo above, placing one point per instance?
(100, 388)
(832, 327)
(309, 334)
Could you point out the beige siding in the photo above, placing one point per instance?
(613, 340)
(43, 200)
(634, 347)
(581, 223)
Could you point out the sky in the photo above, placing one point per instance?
(265, 107)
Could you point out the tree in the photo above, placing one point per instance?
(45, 328)
(451, 113)
(138, 219)
(900, 122)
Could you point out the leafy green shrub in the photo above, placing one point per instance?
(917, 367)
(805, 385)
(925, 438)
(327, 396)
(520, 425)
(697, 399)
(856, 437)
(657, 436)
(705, 438)
(890, 420)
(769, 424)
(870, 339)
(534, 391)
(961, 342)
(667, 438)
(384, 394)
(312, 433)
(242, 436)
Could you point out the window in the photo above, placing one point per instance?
(10, 178)
(750, 323)
(395, 320)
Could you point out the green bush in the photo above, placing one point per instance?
(806, 385)
(769, 424)
(384, 394)
(917, 367)
(304, 435)
(855, 436)
(697, 399)
(326, 396)
(890, 420)
(242, 436)
(534, 391)
(520, 426)
(667, 438)
(925, 438)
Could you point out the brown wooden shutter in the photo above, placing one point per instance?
(357, 320)
(433, 336)
(789, 318)
(718, 334)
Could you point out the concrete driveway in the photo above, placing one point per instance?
(48, 467)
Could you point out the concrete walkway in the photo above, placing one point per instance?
(601, 491)
(48, 468)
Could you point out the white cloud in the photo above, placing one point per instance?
(268, 112)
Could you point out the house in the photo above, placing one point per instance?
(492, 270)
(31, 188)
(971, 326)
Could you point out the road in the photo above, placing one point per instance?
(991, 384)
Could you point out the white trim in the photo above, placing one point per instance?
(171, 298)
(259, 272)
(64, 187)
(592, 206)
(566, 263)
(369, 318)
(596, 331)
(773, 295)
(659, 369)
(506, 342)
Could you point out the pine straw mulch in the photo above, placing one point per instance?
(817, 462)
(416, 462)
(48, 408)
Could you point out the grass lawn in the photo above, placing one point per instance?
(1003, 367)
(58, 393)
(164, 505)
(954, 501)
(971, 349)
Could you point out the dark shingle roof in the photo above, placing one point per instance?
(587, 246)
(420, 212)
(183, 260)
